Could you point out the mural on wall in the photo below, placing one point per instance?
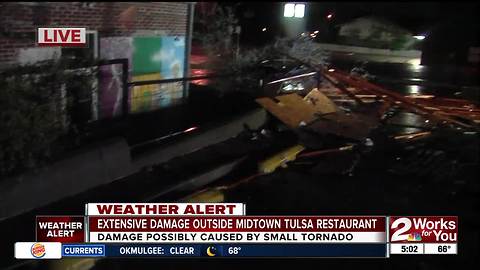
(150, 58)
(111, 94)
(156, 58)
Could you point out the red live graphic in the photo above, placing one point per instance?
(61, 36)
(424, 229)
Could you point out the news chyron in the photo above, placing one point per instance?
(190, 230)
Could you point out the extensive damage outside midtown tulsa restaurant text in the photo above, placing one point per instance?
(302, 108)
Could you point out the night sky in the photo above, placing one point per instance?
(414, 16)
(410, 15)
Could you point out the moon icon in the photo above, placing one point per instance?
(211, 251)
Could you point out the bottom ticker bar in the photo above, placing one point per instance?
(225, 250)
(299, 250)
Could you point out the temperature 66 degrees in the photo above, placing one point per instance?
(234, 250)
(443, 249)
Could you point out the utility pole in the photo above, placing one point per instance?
(188, 46)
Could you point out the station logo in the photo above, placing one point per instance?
(62, 37)
(434, 229)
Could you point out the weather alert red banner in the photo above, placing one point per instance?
(242, 229)
(238, 224)
(64, 229)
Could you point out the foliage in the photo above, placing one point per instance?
(247, 67)
(401, 42)
(303, 49)
(215, 36)
(244, 70)
(381, 34)
(33, 113)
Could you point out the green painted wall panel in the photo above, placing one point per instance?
(147, 55)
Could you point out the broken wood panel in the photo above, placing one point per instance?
(351, 126)
(290, 109)
(320, 102)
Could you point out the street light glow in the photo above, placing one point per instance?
(329, 16)
(264, 29)
(419, 37)
(415, 64)
(289, 10)
(414, 89)
(299, 10)
(294, 10)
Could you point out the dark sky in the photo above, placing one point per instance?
(408, 14)
(453, 22)
(411, 15)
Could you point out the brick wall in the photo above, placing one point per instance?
(18, 21)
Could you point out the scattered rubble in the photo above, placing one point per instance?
(347, 113)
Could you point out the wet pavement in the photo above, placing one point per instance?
(442, 81)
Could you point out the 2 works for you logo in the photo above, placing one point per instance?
(62, 37)
(434, 229)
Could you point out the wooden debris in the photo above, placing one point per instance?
(350, 126)
(412, 136)
(280, 159)
(420, 106)
(290, 109)
(317, 113)
(321, 102)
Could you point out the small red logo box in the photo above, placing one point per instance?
(423, 229)
(64, 229)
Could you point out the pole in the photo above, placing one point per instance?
(188, 46)
(238, 29)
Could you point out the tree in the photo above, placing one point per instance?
(35, 100)
(216, 33)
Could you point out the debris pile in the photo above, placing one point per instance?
(348, 114)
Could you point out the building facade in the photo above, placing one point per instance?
(375, 33)
(153, 36)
